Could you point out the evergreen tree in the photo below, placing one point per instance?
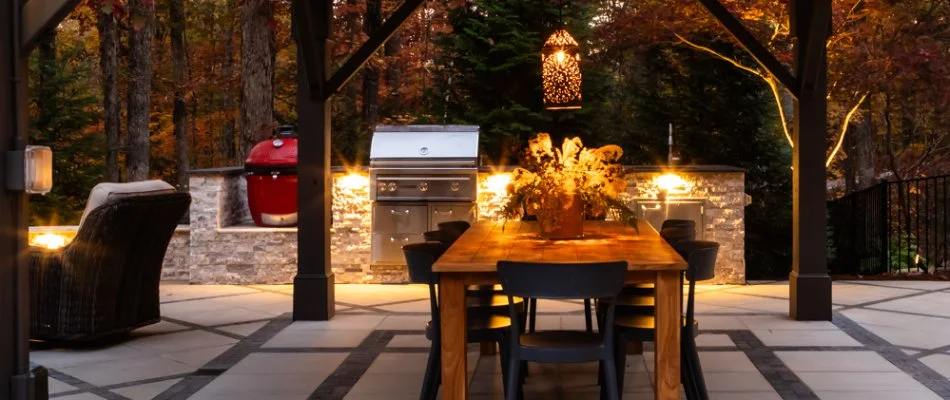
(64, 110)
(720, 116)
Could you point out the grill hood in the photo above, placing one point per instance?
(415, 143)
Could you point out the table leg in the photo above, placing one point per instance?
(668, 322)
(454, 357)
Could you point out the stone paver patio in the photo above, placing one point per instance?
(888, 340)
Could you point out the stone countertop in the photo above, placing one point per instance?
(238, 170)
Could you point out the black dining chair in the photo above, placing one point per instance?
(639, 323)
(452, 230)
(561, 281)
(533, 303)
(485, 324)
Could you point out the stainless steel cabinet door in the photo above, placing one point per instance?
(450, 212)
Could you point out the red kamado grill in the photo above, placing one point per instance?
(272, 180)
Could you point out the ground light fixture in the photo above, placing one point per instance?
(561, 72)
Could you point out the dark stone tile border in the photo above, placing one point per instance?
(783, 380)
(82, 386)
(910, 365)
(342, 380)
(200, 327)
(191, 384)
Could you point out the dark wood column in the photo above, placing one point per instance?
(809, 282)
(313, 286)
(14, 271)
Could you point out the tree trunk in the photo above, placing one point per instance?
(257, 72)
(228, 131)
(371, 23)
(109, 65)
(176, 17)
(140, 88)
(394, 67)
(863, 152)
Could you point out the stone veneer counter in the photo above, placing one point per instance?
(222, 245)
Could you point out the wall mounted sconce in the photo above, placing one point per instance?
(30, 170)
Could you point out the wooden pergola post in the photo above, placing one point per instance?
(809, 282)
(14, 272)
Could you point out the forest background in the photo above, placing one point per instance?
(128, 90)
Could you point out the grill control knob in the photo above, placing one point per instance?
(382, 187)
(423, 186)
(392, 186)
(455, 186)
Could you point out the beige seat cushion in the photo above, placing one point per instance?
(105, 192)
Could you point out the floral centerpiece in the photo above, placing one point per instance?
(559, 186)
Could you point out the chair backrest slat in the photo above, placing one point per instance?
(562, 281)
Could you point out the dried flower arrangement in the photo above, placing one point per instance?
(553, 180)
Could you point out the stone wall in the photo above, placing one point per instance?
(723, 189)
(222, 245)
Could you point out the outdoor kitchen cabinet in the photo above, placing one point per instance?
(656, 211)
(420, 175)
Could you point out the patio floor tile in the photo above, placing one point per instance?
(860, 381)
(413, 364)
(56, 386)
(243, 329)
(714, 340)
(175, 342)
(239, 386)
(387, 384)
(197, 358)
(81, 396)
(404, 322)
(766, 395)
(288, 364)
(341, 322)
(318, 338)
(717, 322)
(783, 322)
(128, 370)
(835, 361)
(726, 361)
(409, 341)
(736, 382)
(820, 355)
(60, 358)
(857, 294)
(830, 395)
(823, 338)
(219, 316)
(146, 391)
(939, 363)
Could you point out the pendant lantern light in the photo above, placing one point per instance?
(561, 72)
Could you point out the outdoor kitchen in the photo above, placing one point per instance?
(418, 176)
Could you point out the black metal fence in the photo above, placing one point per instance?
(891, 227)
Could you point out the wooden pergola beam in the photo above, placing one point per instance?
(310, 32)
(759, 52)
(356, 61)
(813, 52)
(40, 16)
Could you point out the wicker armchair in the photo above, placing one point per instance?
(105, 282)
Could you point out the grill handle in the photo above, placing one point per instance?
(437, 212)
(403, 212)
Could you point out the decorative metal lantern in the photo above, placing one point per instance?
(561, 72)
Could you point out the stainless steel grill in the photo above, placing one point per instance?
(421, 175)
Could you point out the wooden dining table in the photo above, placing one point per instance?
(472, 260)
